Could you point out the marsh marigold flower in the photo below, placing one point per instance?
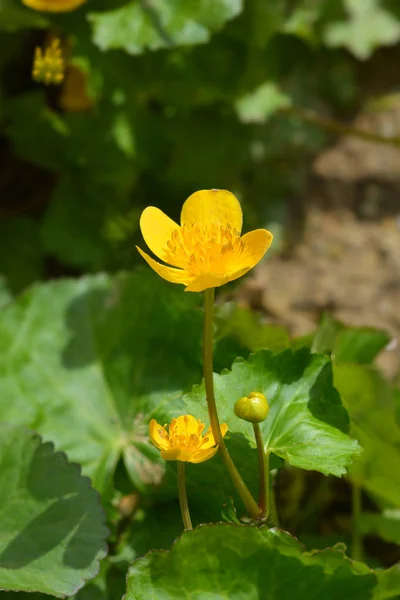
(184, 439)
(48, 64)
(206, 250)
(53, 5)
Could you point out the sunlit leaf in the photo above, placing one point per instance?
(307, 422)
(259, 105)
(369, 26)
(85, 362)
(136, 26)
(52, 532)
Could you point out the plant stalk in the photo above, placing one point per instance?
(183, 501)
(241, 488)
(357, 548)
(263, 461)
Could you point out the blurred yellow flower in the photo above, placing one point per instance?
(206, 250)
(53, 5)
(184, 439)
(48, 64)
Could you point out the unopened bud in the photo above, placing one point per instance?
(253, 408)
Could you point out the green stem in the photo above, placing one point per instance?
(357, 550)
(241, 488)
(274, 519)
(183, 501)
(263, 461)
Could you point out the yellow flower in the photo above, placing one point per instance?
(48, 65)
(53, 5)
(184, 440)
(206, 250)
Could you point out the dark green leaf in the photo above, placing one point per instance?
(21, 256)
(368, 398)
(237, 562)
(349, 344)
(14, 16)
(385, 525)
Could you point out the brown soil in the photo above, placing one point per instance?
(344, 265)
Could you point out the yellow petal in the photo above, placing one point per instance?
(169, 273)
(211, 441)
(204, 282)
(207, 207)
(187, 424)
(171, 454)
(256, 243)
(157, 229)
(53, 5)
(157, 435)
(202, 455)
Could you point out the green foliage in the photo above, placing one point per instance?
(23, 261)
(306, 423)
(385, 525)
(348, 344)
(137, 26)
(175, 96)
(257, 106)
(82, 352)
(369, 400)
(52, 526)
(246, 562)
(15, 17)
(368, 26)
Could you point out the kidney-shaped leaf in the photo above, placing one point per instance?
(307, 422)
(239, 562)
(52, 532)
(85, 362)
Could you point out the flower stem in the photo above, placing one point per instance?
(273, 517)
(183, 501)
(357, 550)
(241, 488)
(263, 461)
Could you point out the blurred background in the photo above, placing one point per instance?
(294, 105)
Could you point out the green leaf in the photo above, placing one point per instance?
(99, 354)
(388, 584)
(237, 562)
(262, 103)
(306, 424)
(21, 256)
(349, 344)
(14, 16)
(5, 294)
(248, 328)
(368, 398)
(369, 26)
(136, 26)
(85, 242)
(385, 525)
(52, 532)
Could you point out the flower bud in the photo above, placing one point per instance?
(253, 408)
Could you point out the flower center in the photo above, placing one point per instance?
(179, 435)
(203, 249)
